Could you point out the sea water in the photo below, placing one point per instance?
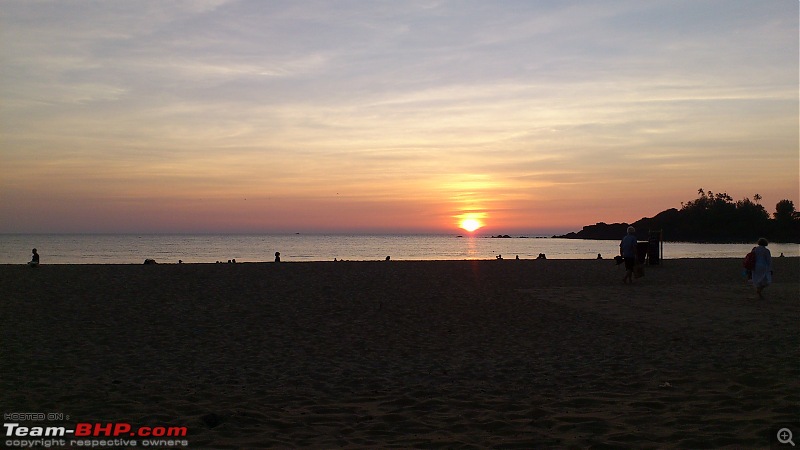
(206, 248)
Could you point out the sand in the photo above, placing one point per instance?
(399, 354)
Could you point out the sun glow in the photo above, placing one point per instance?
(470, 224)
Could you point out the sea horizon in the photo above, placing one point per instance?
(134, 248)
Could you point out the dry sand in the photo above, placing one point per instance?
(456, 354)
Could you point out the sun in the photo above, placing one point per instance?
(471, 220)
(470, 224)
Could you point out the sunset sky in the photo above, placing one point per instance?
(389, 116)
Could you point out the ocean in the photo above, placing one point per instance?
(203, 248)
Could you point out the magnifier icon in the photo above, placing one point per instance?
(785, 436)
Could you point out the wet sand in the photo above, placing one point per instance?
(431, 354)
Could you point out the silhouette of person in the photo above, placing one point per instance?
(34, 262)
(762, 273)
(277, 256)
(627, 248)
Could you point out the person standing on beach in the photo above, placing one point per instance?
(762, 273)
(627, 249)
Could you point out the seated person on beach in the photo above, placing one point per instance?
(34, 262)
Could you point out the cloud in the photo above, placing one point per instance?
(393, 101)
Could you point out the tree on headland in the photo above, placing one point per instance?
(787, 221)
(785, 211)
(711, 217)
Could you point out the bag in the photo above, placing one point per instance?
(750, 261)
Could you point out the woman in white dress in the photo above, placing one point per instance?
(762, 273)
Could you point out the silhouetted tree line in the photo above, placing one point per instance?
(711, 217)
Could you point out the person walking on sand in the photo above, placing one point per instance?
(34, 262)
(762, 273)
(627, 249)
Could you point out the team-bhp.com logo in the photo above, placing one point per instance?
(86, 434)
(95, 430)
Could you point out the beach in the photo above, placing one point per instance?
(409, 354)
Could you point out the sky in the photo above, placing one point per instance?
(411, 116)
